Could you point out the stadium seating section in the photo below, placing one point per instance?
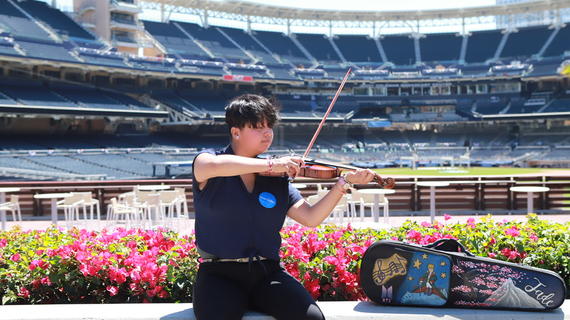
(34, 30)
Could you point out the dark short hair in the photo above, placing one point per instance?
(251, 109)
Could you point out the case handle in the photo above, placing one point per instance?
(449, 245)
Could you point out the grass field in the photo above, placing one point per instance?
(446, 171)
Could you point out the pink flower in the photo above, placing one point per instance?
(425, 224)
(38, 263)
(533, 237)
(46, 281)
(492, 255)
(513, 232)
(414, 235)
(163, 294)
(112, 290)
(313, 287)
(36, 283)
(3, 242)
(331, 260)
(24, 293)
(118, 275)
(446, 217)
(15, 257)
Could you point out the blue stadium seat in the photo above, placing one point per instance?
(282, 72)
(212, 102)
(440, 47)
(57, 20)
(216, 42)
(13, 21)
(481, 45)
(175, 41)
(246, 41)
(399, 49)
(559, 105)
(335, 72)
(319, 47)
(7, 47)
(358, 48)
(44, 49)
(311, 74)
(160, 65)
(211, 68)
(282, 45)
(526, 42)
(34, 94)
(545, 67)
(93, 56)
(90, 98)
(491, 104)
(255, 71)
(4, 99)
(559, 44)
(173, 100)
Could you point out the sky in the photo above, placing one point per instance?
(378, 5)
(364, 5)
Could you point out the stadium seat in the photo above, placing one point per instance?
(358, 48)
(319, 46)
(482, 45)
(399, 49)
(283, 46)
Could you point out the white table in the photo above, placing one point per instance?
(530, 199)
(299, 185)
(151, 187)
(375, 209)
(53, 197)
(432, 185)
(3, 192)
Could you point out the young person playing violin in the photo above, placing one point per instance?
(239, 213)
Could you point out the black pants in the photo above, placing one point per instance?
(226, 290)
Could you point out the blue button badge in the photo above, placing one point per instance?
(267, 200)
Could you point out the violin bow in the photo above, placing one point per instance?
(333, 101)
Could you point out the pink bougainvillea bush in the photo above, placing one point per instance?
(79, 266)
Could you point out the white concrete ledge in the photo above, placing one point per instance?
(346, 310)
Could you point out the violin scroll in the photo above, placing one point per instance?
(386, 183)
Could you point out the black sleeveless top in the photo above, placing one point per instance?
(233, 223)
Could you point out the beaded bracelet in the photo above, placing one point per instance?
(270, 164)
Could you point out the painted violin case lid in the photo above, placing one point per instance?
(444, 274)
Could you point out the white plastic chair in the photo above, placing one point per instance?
(152, 211)
(92, 203)
(182, 201)
(367, 200)
(121, 212)
(13, 206)
(70, 206)
(339, 210)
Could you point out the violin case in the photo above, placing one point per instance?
(445, 274)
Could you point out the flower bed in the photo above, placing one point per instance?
(79, 266)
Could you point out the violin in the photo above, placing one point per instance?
(323, 170)
(328, 170)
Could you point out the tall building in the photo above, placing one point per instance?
(115, 21)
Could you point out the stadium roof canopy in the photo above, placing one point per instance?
(268, 14)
